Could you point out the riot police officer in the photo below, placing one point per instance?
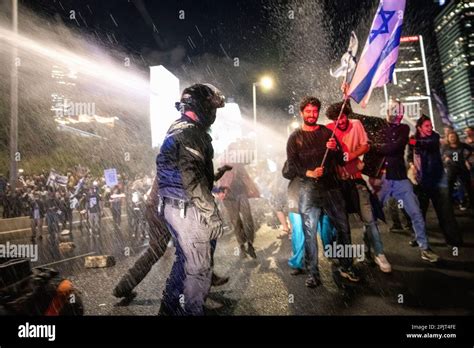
(186, 177)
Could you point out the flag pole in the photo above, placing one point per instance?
(346, 97)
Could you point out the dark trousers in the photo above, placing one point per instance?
(312, 200)
(67, 219)
(442, 204)
(454, 173)
(159, 238)
(117, 216)
(240, 215)
(36, 226)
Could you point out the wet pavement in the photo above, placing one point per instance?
(265, 287)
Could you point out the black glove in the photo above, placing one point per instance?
(216, 227)
(221, 171)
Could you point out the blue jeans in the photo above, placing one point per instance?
(371, 229)
(402, 191)
(312, 200)
(297, 241)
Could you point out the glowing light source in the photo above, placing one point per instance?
(227, 128)
(164, 92)
(266, 82)
(295, 124)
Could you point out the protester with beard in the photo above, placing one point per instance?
(425, 159)
(320, 188)
(186, 177)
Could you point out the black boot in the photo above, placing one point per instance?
(251, 251)
(218, 281)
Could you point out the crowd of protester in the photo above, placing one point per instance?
(50, 202)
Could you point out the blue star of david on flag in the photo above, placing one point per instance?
(385, 16)
(380, 54)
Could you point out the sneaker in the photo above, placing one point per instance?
(349, 274)
(413, 243)
(383, 264)
(251, 251)
(312, 282)
(297, 271)
(429, 255)
(462, 207)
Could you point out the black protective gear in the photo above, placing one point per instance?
(203, 100)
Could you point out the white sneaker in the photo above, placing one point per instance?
(383, 263)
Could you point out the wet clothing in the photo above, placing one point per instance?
(239, 187)
(426, 157)
(305, 151)
(394, 139)
(37, 213)
(457, 170)
(432, 185)
(159, 238)
(186, 177)
(297, 241)
(458, 155)
(351, 139)
(240, 216)
(185, 167)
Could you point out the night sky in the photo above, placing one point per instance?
(213, 33)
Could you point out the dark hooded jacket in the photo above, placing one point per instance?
(428, 149)
(184, 166)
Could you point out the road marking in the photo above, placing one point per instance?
(68, 259)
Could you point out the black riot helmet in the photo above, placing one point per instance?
(203, 100)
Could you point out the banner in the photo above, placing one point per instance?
(111, 177)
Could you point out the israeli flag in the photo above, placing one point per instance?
(380, 53)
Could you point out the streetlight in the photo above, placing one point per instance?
(14, 102)
(266, 83)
